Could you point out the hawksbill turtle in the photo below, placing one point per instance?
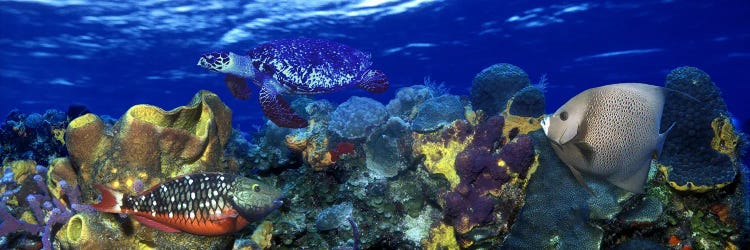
(294, 66)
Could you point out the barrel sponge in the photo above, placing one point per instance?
(694, 164)
(149, 144)
(495, 85)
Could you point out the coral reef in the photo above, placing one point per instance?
(427, 171)
(357, 117)
(33, 136)
(334, 217)
(528, 102)
(441, 237)
(495, 85)
(147, 145)
(436, 112)
(313, 142)
(440, 149)
(407, 100)
(385, 148)
(25, 190)
(150, 144)
(693, 164)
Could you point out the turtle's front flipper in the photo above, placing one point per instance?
(277, 109)
(238, 86)
(374, 81)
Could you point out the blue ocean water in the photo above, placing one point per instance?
(110, 55)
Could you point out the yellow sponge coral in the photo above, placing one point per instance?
(441, 237)
(725, 138)
(441, 148)
(150, 144)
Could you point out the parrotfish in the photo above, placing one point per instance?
(610, 132)
(202, 204)
(294, 66)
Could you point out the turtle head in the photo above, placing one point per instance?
(218, 61)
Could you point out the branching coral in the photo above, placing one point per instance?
(48, 211)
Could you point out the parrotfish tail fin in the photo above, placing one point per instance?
(277, 109)
(111, 200)
(238, 86)
(579, 178)
(662, 138)
(634, 182)
(155, 224)
(374, 81)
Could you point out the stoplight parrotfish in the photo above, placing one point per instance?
(202, 204)
(294, 66)
(611, 132)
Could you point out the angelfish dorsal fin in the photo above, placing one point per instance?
(662, 138)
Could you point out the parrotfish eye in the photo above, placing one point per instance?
(563, 115)
(256, 187)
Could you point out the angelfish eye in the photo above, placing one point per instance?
(256, 187)
(563, 115)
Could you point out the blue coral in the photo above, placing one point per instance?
(407, 100)
(437, 112)
(30, 136)
(385, 148)
(495, 85)
(687, 149)
(357, 117)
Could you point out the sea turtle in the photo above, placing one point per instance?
(295, 66)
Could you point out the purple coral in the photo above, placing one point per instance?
(483, 170)
(47, 210)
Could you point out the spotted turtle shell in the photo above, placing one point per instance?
(310, 66)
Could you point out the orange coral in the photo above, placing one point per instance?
(673, 240)
(722, 211)
(313, 144)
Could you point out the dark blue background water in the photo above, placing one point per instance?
(112, 55)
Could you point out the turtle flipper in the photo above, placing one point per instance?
(374, 81)
(238, 86)
(277, 109)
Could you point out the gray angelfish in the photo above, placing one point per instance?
(610, 132)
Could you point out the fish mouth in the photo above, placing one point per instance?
(545, 124)
(277, 203)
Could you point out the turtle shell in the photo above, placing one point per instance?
(310, 66)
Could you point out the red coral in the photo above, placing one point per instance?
(341, 149)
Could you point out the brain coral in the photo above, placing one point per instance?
(495, 85)
(357, 117)
(695, 164)
(437, 112)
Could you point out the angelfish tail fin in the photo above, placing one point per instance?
(111, 200)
